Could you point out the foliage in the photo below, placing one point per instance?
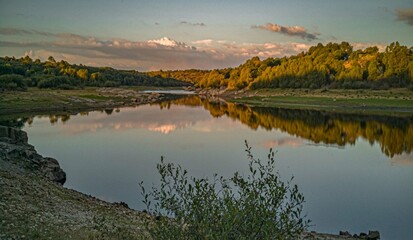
(335, 65)
(257, 206)
(12, 82)
(17, 74)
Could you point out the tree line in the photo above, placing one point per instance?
(20, 73)
(335, 65)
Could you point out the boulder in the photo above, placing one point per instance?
(51, 169)
(13, 135)
(14, 148)
(344, 233)
(373, 235)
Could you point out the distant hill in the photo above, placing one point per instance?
(335, 65)
(18, 74)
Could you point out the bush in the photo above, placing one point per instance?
(258, 206)
(12, 82)
(111, 84)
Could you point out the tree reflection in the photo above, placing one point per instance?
(394, 134)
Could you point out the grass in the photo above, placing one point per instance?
(40, 100)
(389, 101)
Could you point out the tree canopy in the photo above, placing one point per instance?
(335, 65)
(18, 74)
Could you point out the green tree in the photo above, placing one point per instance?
(83, 74)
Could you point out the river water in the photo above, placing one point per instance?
(355, 171)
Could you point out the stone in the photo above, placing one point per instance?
(344, 233)
(14, 146)
(373, 235)
(13, 135)
(51, 169)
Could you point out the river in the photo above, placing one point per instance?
(355, 171)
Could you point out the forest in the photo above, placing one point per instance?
(18, 74)
(334, 65)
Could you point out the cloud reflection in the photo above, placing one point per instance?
(146, 117)
(404, 159)
(286, 141)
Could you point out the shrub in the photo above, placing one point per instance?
(257, 206)
(111, 84)
(12, 82)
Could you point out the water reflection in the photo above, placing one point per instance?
(393, 134)
(355, 188)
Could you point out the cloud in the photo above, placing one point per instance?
(405, 15)
(163, 53)
(286, 30)
(364, 45)
(248, 50)
(165, 41)
(193, 24)
(17, 31)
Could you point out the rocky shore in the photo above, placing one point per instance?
(35, 205)
(14, 148)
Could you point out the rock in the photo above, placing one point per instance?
(344, 233)
(122, 204)
(373, 235)
(13, 135)
(51, 169)
(14, 147)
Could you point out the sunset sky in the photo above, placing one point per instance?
(153, 35)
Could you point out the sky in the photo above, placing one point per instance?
(168, 35)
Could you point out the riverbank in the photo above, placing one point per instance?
(35, 205)
(385, 102)
(52, 100)
(49, 101)
(34, 101)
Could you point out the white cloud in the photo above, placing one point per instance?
(164, 53)
(165, 41)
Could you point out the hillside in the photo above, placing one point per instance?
(18, 74)
(334, 65)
